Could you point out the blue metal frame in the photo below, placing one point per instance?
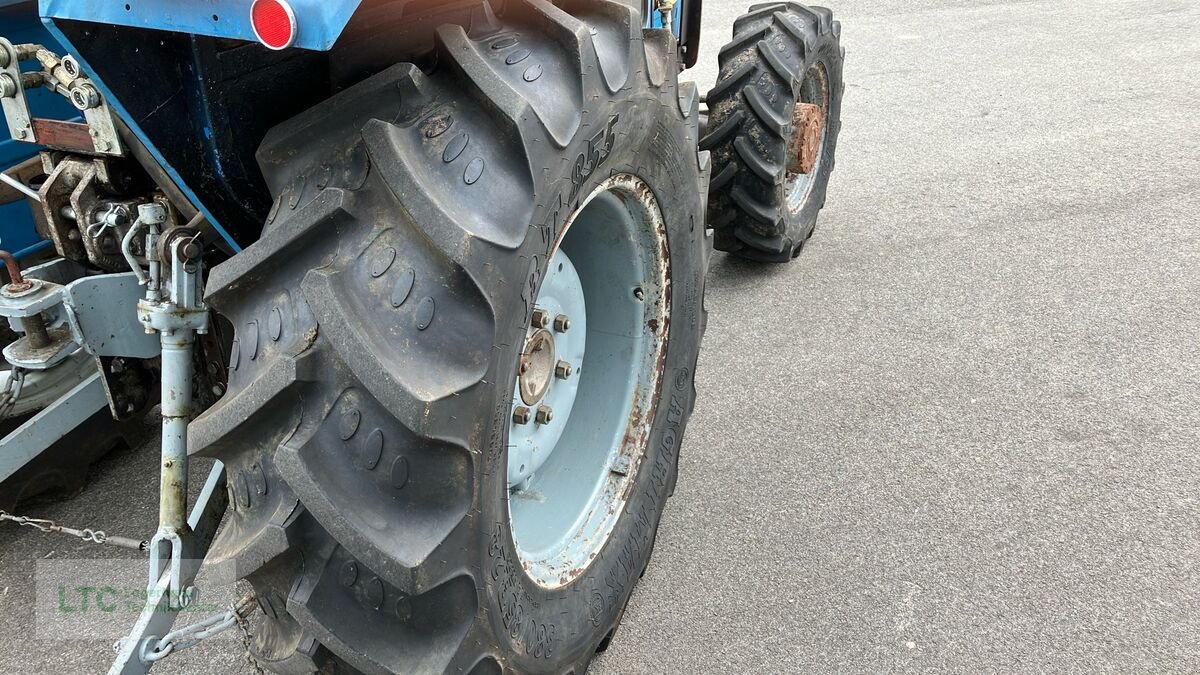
(319, 22)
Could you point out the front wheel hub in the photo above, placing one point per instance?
(806, 147)
(808, 123)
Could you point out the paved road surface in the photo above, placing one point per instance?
(961, 433)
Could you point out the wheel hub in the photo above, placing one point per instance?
(809, 130)
(809, 124)
(537, 366)
(547, 371)
(597, 332)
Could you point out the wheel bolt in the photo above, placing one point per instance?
(563, 370)
(541, 318)
(561, 323)
(544, 414)
(522, 415)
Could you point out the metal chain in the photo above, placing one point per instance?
(88, 535)
(190, 636)
(177, 640)
(244, 625)
(12, 392)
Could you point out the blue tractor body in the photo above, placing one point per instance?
(321, 23)
(198, 92)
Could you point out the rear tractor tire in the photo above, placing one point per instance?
(464, 354)
(774, 118)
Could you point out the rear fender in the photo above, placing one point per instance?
(318, 22)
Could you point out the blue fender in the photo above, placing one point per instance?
(318, 22)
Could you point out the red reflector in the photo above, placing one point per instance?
(274, 23)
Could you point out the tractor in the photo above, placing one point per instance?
(425, 277)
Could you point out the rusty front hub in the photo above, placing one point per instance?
(808, 122)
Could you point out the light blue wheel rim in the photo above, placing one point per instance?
(530, 445)
(569, 479)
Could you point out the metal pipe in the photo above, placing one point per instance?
(176, 409)
(16, 282)
(28, 51)
(154, 288)
(127, 251)
(35, 330)
(176, 320)
(21, 187)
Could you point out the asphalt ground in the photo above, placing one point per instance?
(960, 433)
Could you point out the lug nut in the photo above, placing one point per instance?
(561, 323)
(541, 318)
(544, 414)
(563, 370)
(522, 415)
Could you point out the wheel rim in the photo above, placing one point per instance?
(575, 444)
(806, 149)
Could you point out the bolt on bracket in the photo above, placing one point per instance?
(63, 76)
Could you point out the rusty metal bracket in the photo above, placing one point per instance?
(62, 75)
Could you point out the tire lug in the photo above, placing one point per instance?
(545, 414)
(563, 370)
(541, 318)
(562, 323)
(522, 415)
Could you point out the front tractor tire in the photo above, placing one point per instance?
(464, 353)
(774, 118)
